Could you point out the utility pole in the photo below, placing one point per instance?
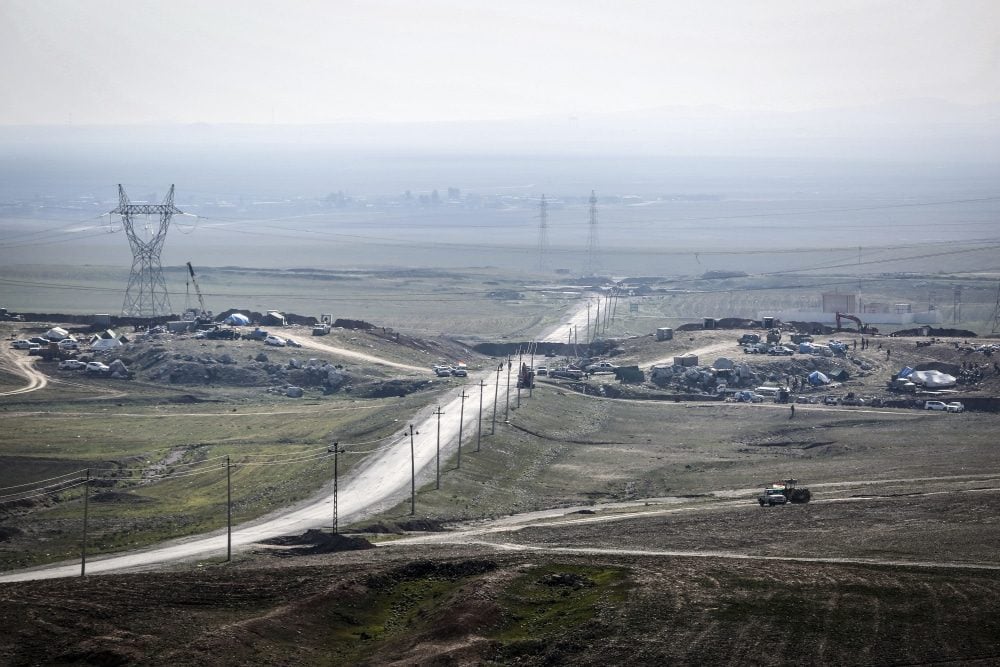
(520, 367)
(597, 321)
(336, 496)
(496, 392)
(461, 423)
(531, 385)
(86, 512)
(437, 483)
(229, 514)
(413, 476)
(506, 411)
(588, 320)
(479, 426)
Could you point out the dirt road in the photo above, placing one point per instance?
(313, 344)
(21, 364)
(575, 318)
(381, 481)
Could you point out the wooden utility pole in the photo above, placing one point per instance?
(479, 424)
(461, 423)
(413, 475)
(336, 491)
(229, 514)
(496, 392)
(437, 483)
(506, 411)
(86, 512)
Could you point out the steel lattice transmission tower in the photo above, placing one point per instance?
(996, 313)
(146, 294)
(593, 261)
(543, 233)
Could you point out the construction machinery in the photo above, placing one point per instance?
(862, 327)
(203, 315)
(774, 336)
(793, 493)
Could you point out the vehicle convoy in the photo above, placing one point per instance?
(783, 492)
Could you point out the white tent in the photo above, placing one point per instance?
(932, 379)
(105, 344)
(237, 319)
(56, 333)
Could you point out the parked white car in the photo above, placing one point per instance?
(97, 367)
(69, 344)
(276, 341)
(21, 344)
(955, 406)
(935, 405)
(71, 365)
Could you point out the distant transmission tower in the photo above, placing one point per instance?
(996, 313)
(146, 294)
(593, 262)
(543, 234)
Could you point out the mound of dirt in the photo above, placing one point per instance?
(317, 542)
(399, 527)
(385, 389)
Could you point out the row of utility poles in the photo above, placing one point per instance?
(601, 322)
(336, 449)
(411, 432)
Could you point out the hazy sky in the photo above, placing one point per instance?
(252, 61)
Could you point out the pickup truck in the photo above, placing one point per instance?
(601, 367)
(772, 497)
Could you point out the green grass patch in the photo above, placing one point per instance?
(553, 600)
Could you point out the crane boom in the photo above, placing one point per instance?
(197, 290)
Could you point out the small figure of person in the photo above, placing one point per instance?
(793, 411)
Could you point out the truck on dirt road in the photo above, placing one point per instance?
(784, 492)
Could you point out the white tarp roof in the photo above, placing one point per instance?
(932, 379)
(237, 319)
(105, 343)
(56, 333)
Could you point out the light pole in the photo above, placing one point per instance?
(336, 450)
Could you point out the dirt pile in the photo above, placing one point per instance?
(317, 542)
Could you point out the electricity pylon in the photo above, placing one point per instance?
(146, 294)
(543, 234)
(593, 262)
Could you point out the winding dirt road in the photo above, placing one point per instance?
(24, 366)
